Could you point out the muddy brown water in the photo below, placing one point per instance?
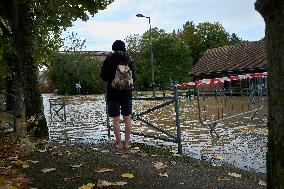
(242, 142)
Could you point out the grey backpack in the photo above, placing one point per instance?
(123, 78)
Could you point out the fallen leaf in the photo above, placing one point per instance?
(13, 158)
(102, 170)
(235, 175)
(164, 174)
(25, 166)
(120, 183)
(103, 183)
(217, 157)
(76, 166)
(60, 154)
(173, 162)
(87, 186)
(34, 162)
(174, 151)
(223, 178)
(216, 165)
(66, 179)
(46, 170)
(44, 150)
(159, 165)
(262, 183)
(127, 175)
(136, 148)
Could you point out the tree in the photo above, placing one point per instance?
(172, 59)
(273, 14)
(64, 73)
(205, 36)
(234, 39)
(20, 16)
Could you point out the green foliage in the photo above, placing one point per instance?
(172, 59)
(205, 36)
(175, 53)
(64, 73)
(234, 39)
(50, 18)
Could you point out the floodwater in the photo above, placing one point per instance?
(242, 141)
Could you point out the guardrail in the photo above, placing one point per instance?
(57, 105)
(216, 103)
(15, 101)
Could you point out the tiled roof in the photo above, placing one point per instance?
(243, 56)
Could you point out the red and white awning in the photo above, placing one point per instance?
(223, 79)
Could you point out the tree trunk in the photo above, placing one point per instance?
(22, 26)
(9, 90)
(273, 13)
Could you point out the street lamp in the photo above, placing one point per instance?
(151, 52)
(78, 85)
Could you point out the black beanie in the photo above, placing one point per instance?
(118, 45)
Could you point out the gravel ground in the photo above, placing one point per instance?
(69, 165)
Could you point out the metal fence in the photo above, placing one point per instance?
(227, 98)
(13, 108)
(57, 110)
(164, 101)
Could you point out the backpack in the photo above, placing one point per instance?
(123, 78)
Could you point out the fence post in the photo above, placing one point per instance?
(64, 110)
(177, 118)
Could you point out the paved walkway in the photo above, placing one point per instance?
(64, 165)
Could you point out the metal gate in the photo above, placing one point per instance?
(165, 101)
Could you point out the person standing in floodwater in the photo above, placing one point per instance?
(119, 101)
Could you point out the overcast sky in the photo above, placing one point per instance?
(119, 19)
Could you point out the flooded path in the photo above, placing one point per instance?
(242, 143)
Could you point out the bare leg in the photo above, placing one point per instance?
(127, 120)
(116, 129)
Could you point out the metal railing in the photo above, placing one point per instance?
(15, 102)
(221, 104)
(57, 109)
(139, 116)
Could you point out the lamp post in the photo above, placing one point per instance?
(78, 85)
(151, 52)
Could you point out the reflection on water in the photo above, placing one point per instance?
(242, 142)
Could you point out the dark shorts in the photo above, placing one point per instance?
(117, 108)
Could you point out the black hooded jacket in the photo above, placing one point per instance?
(108, 72)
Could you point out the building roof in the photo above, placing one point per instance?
(241, 57)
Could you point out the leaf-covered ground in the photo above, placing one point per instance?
(48, 165)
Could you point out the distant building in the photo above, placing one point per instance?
(101, 55)
(243, 58)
